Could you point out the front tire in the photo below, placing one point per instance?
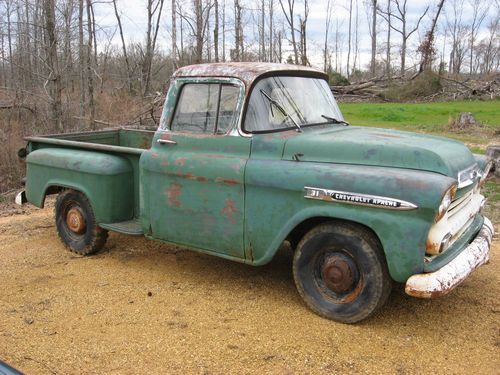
(76, 224)
(340, 272)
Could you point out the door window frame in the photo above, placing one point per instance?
(176, 90)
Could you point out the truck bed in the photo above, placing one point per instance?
(126, 143)
(123, 140)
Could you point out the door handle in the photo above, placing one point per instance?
(166, 142)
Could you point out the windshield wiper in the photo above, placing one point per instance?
(281, 109)
(334, 120)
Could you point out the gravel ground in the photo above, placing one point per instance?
(145, 307)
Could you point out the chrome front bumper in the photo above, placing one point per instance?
(444, 280)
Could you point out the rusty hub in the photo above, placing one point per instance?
(75, 221)
(339, 273)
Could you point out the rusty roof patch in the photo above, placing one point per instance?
(248, 72)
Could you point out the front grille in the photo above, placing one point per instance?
(460, 203)
(455, 222)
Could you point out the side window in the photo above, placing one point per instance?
(206, 108)
(227, 108)
(197, 109)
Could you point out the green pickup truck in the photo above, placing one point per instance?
(248, 156)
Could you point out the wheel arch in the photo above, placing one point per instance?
(303, 221)
(301, 229)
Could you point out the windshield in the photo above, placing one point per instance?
(290, 102)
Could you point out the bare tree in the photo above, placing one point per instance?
(223, 30)
(238, 31)
(388, 43)
(216, 30)
(289, 14)
(479, 12)
(303, 34)
(90, 77)
(124, 47)
(373, 34)
(328, 21)
(458, 31)
(349, 38)
(262, 31)
(271, 30)
(54, 79)
(426, 48)
(400, 13)
(154, 8)
(489, 48)
(174, 34)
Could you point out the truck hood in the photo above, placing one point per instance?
(380, 147)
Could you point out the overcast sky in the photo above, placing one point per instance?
(134, 20)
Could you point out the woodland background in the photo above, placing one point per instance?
(61, 71)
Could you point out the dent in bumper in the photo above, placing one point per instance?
(444, 280)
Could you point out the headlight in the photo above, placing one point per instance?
(445, 203)
(485, 173)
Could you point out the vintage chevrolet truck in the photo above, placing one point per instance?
(248, 156)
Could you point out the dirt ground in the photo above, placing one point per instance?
(145, 307)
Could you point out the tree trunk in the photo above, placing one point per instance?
(374, 37)
(388, 52)
(216, 30)
(237, 29)
(81, 59)
(271, 46)
(174, 35)
(124, 47)
(290, 15)
(54, 80)
(349, 39)
(90, 77)
(199, 31)
(224, 31)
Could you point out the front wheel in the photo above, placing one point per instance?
(76, 224)
(340, 272)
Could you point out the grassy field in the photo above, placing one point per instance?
(430, 118)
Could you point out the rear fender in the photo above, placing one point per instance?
(106, 180)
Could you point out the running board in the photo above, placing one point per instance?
(130, 227)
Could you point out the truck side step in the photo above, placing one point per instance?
(130, 227)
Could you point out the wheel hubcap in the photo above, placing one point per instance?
(339, 273)
(75, 221)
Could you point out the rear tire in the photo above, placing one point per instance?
(76, 224)
(341, 273)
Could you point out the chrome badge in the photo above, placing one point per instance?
(358, 199)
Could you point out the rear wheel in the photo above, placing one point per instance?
(340, 272)
(76, 225)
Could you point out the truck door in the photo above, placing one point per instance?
(194, 175)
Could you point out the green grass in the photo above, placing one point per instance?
(491, 190)
(419, 115)
(428, 118)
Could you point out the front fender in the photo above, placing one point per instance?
(275, 205)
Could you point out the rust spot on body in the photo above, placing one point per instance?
(385, 135)
(226, 181)
(191, 177)
(173, 193)
(180, 162)
(229, 210)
